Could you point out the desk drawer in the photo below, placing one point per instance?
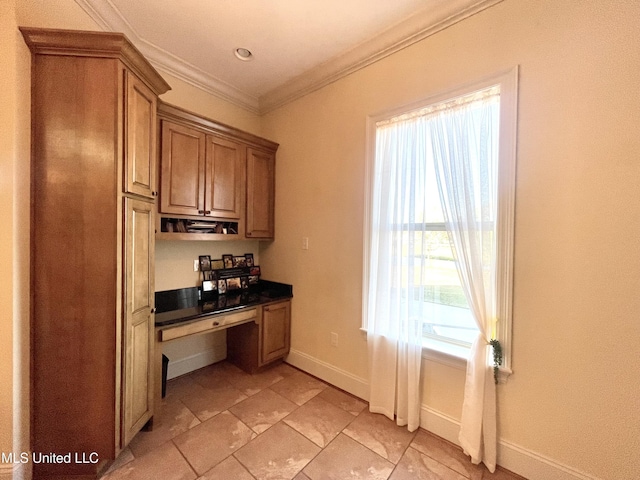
(208, 324)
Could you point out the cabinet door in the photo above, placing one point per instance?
(260, 194)
(140, 128)
(138, 325)
(183, 170)
(275, 333)
(224, 177)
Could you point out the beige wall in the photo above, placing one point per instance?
(8, 161)
(574, 396)
(198, 101)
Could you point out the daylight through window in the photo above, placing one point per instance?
(411, 266)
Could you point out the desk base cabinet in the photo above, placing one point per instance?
(252, 346)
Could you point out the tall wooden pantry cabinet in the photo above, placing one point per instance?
(92, 245)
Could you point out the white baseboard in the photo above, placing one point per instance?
(342, 379)
(522, 461)
(188, 364)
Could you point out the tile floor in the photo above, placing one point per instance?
(219, 423)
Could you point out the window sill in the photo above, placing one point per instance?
(450, 359)
(452, 356)
(445, 353)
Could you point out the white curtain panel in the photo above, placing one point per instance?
(395, 303)
(465, 150)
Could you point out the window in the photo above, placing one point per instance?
(406, 234)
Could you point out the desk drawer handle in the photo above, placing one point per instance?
(215, 324)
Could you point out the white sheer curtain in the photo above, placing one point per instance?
(465, 150)
(395, 306)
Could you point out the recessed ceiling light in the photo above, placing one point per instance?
(243, 54)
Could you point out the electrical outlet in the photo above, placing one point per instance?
(334, 339)
(305, 243)
(196, 265)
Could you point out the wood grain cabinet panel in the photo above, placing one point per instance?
(140, 120)
(275, 331)
(138, 327)
(260, 194)
(224, 177)
(92, 233)
(183, 170)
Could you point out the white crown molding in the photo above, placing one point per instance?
(394, 39)
(109, 18)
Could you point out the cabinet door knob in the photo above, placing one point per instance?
(207, 212)
(201, 212)
(153, 310)
(154, 194)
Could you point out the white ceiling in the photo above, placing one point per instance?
(298, 45)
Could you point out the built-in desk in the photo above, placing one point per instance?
(257, 321)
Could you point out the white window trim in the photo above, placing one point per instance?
(508, 81)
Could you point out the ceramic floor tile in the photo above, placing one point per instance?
(347, 402)
(125, 457)
(284, 369)
(207, 444)
(501, 474)
(345, 459)
(446, 453)
(228, 469)
(179, 387)
(278, 453)
(209, 402)
(416, 466)
(299, 387)
(381, 435)
(319, 421)
(214, 375)
(163, 462)
(262, 410)
(252, 384)
(172, 419)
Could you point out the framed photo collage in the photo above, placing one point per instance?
(229, 273)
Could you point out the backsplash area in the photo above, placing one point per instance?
(174, 260)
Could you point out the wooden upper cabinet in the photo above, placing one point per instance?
(216, 172)
(183, 170)
(140, 121)
(260, 194)
(224, 177)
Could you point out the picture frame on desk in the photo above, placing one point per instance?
(205, 263)
(233, 284)
(222, 287)
(217, 264)
(249, 259)
(227, 261)
(239, 262)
